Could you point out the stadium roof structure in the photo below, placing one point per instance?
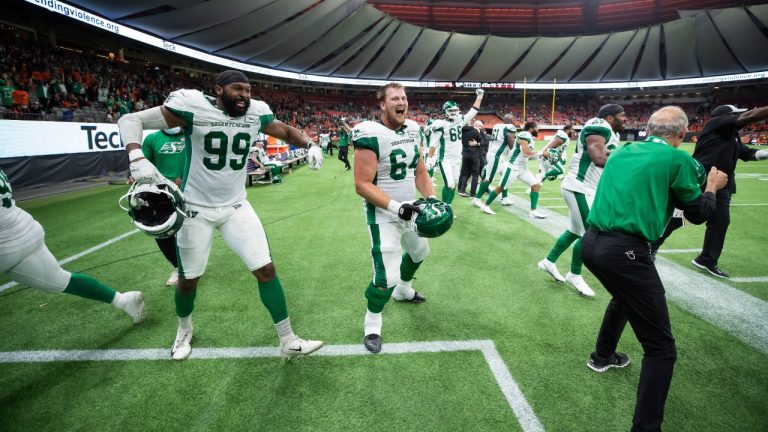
(363, 40)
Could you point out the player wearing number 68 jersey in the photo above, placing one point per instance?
(219, 131)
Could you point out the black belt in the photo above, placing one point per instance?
(619, 234)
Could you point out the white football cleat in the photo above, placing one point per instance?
(537, 214)
(578, 282)
(506, 201)
(181, 346)
(487, 210)
(133, 305)
(551, 268)
(299, 346)
(173, 279)
(476, 202)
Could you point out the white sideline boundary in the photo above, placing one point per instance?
(677, 251)
(733, 310)
(79, 255)
(515, 398)
(750, 279)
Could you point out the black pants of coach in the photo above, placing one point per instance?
(471, 167)
(623, 265)
(343, 156)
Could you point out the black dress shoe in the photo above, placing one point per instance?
(372, 343)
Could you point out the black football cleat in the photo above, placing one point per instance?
(372, 343)
(713, 269)
(418, 298)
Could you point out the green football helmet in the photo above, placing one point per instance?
(155, 206)
(451, 110)
(435, 219)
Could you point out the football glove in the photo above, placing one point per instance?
(479, 92)
(430, 163)
(140, 166)
(405, 211)
(315, 157)
(761, 155)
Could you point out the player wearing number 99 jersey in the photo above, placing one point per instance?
(388, 171)
(219, 132)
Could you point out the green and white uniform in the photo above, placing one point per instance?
(497, 150)
(579, 185)
(214, 181)
(517, 168)
(446, 139)
(23, 254)
(166, 152)
(325, 139)
(556, 155)
(397, 153)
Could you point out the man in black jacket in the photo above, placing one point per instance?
(719, 146)
(474, 140)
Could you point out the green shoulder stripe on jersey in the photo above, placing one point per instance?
(584, 164)
(596, 130)
(265, 120)
(370, 143)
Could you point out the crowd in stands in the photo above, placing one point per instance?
(42, 82)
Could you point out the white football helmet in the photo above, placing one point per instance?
(155, 205)
(315, 157)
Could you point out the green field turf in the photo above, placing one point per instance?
(481, 282)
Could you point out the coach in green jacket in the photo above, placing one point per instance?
(641, 185)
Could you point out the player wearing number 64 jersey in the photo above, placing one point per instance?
(388, 172)
(219, 131)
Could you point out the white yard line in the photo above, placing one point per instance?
(750, 204)
(749, 279)
(677, 251)
(79, 255)
(735, 311)
(515, 398)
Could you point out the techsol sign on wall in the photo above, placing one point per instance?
(20, 138)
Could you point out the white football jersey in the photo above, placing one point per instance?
(564, 137)
(497, 147)
(325, 139)
(214, 175)
(397, 153)
(583, 176)
(445, 136)
(15, 224)
(518, 157)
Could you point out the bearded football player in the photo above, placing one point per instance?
(388, 171)
(219, 131)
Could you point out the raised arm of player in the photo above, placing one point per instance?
(752, 116)
(470, 115)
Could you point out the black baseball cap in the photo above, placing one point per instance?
(726, 109)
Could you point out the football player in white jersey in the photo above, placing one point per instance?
(599, 136)
(502, 141)
(518, 169)
(219, 132)
(325, 139)
(553, 154)
(445, 144)
(388, 171)
(25, 259)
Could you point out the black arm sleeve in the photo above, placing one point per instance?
(699, 210)
(746, 153)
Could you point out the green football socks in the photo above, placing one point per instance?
(561, 245)
(491, 196)
(90, 288)
(448, 194)
(185, 303)
(576, 261)
(534, 200)
(505, 193)
(273, 297)
(408, 267)
(377, 298)
(482, 189)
